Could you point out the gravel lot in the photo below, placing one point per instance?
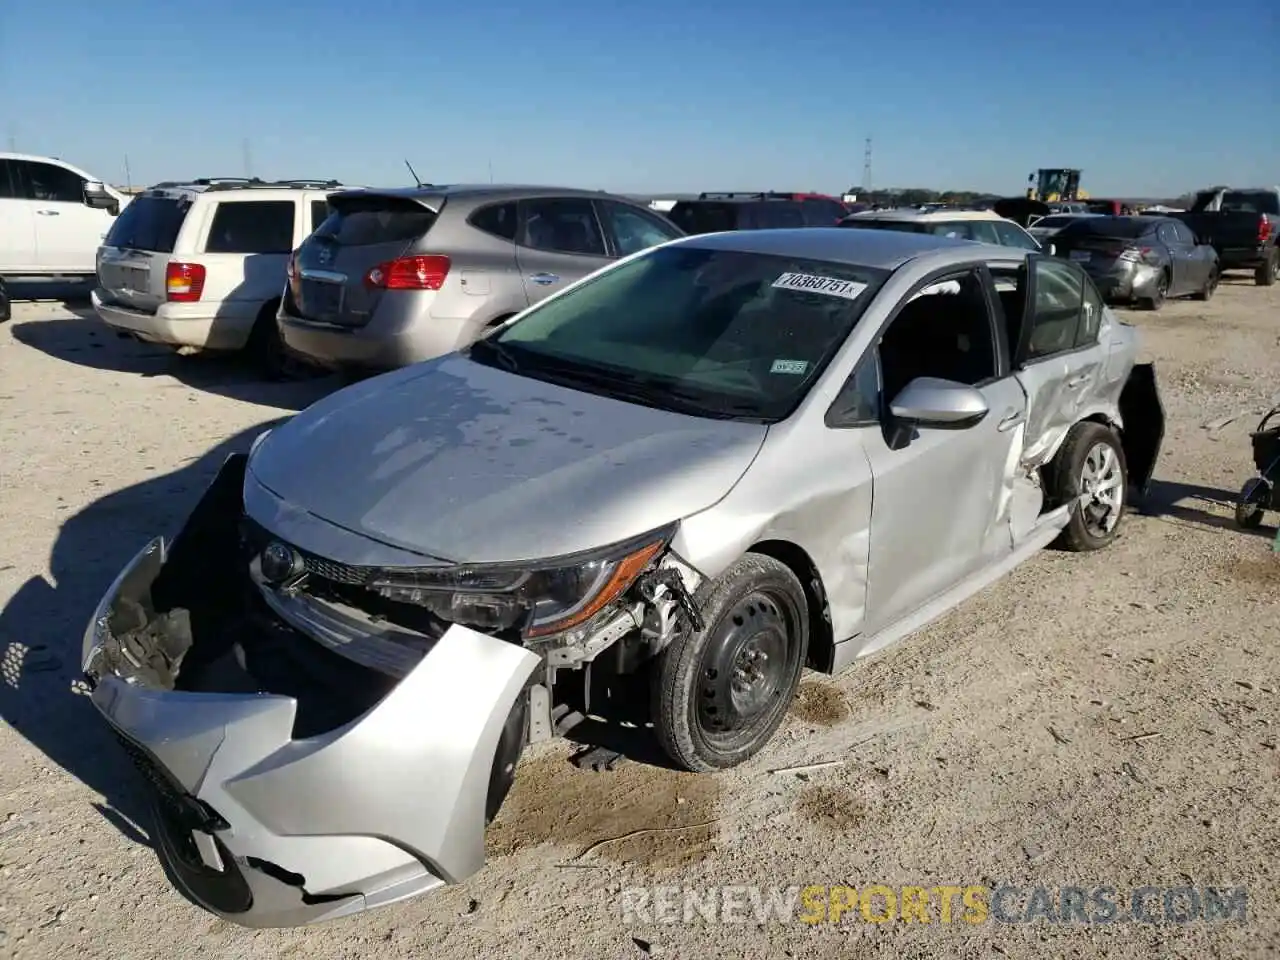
(1100, 719)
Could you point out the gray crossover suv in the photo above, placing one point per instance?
(398, 276)
(692, 475)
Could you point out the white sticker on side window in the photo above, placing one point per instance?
(789, 366)
(809, 283)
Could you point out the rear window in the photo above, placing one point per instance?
(1119, 228)
(252, 226)
(364, 221)
(704, 217)
(868, 223)
(1250, 201)
(149, 223)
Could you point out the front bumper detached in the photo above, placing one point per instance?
(266, 830)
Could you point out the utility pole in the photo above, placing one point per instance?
(866, 167)
(491, 171)
(248, 159)
(128, 177)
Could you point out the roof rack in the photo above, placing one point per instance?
(243, 183)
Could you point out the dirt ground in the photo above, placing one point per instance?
(1091, 719)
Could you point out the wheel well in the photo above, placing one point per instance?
(821, 639)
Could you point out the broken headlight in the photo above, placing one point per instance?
(539, 598)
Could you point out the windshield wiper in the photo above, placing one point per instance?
(503, 354)
(652, 392)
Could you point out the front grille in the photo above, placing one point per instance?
(257, 537)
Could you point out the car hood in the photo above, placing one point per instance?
(468, 464)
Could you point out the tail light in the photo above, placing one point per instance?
(183, 282)
(292, 273)
(425, 272)
(1264, 229)
(1135, 254)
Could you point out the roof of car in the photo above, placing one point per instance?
(879, 249)
(487, 191)
(927, 216)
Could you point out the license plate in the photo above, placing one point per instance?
(1081, 255)
(137, 280)
(321, 299)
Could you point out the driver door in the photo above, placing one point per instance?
(940, 503)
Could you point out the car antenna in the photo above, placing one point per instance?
(411, 172)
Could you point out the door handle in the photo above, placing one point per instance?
(544, 278)
(1010, 421)
(1079, 381)
(49, 213)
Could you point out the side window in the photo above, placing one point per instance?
(1011, 236)
(251, 226)
(944, 330)
(562, 226)
(9, 187)
(958, 229)
(53, 184)
(1184, 233)
(1166, 234)
(634, 230)
(778, 215)
(1090, 314)
(984, 231)
(1059, 301)
(499, 219)
(822, 213)
(319, 213)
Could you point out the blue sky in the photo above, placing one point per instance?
(654, 96)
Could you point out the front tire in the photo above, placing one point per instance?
(1090, 473)
(1210, 286)
(720, 694)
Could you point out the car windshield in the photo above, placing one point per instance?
(1116, 228)
(713, 333)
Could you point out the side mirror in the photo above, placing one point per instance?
(97, 197)
(945, 404)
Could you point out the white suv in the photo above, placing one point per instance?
(200, 266)
(53, 216)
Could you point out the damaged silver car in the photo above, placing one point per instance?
(705, 468)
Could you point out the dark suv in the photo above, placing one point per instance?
(715, 212)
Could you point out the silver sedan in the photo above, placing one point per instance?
(725, 460)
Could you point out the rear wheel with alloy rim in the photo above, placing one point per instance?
(1159, 295)
(721, 693)
(1090, 473)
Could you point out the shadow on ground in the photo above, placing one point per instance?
(84, 340)
(1191, 503)
(42, 627)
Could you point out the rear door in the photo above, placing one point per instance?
(17, 223)
(1058, 357)
(559, 241)
(365, 229)
(1182, 265)
(132, 260)
(247, 246)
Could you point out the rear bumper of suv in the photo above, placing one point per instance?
(257, 820)
(224, 325)
(395, 337)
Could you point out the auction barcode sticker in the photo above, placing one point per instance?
(810, 283)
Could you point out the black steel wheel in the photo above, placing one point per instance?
(720, 693)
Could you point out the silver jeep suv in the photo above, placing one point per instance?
(397, 276)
